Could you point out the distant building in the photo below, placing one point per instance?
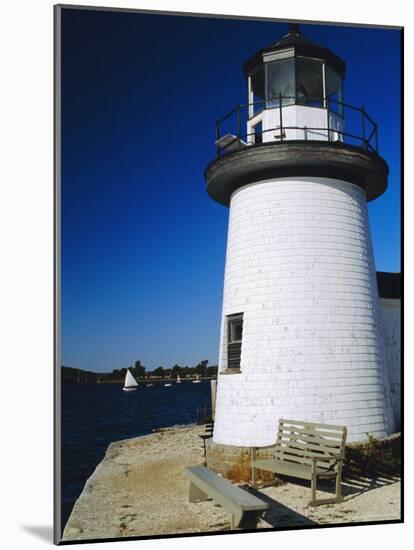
(389, 290)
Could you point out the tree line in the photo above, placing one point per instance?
(73, 375)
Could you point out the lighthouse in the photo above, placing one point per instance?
(301, 329)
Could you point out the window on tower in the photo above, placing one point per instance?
(280, 81)
(234, 341)
(309, 82)
(257, 91)
(334, 90)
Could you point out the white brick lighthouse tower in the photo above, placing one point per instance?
(301, 329)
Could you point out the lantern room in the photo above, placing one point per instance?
(295, 91)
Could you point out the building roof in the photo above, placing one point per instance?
(389, 285)
(300, 45)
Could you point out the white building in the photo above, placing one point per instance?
(302, 332)
(389, 289)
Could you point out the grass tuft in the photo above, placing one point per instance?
(241, 472)
(374, 457)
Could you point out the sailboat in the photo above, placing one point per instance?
(197, 380)
(130, 382)
(168, 383)
(178, 379)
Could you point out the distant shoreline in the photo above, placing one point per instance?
(140, 381)
(78, 376)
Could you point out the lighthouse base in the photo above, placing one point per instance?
(233, 462)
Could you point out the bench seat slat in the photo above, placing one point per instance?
(283, 467)
(220, 489)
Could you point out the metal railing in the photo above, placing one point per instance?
(361, 128)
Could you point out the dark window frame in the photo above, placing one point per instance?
(234, 345)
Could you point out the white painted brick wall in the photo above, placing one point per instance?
(300, 267)
(391, 323)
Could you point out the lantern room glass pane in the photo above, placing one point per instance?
(333, 83)
(309, 82)
(257, 83)
(280, 81)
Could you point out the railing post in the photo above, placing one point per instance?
(217, 137)
(363, 126)
(280, 117)
(324, 84)
(327, 119)
(376, 138)
(238, 125)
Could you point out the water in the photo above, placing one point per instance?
(94, 415)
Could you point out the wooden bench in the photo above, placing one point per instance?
(306, 450)
(244, 507)
(208, 434)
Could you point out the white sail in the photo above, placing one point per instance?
(130, 381)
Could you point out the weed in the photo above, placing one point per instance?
(241, 471)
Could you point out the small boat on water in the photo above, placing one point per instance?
(178, 379)
(197, 380)
(150, 384)
(167, 384)
(130, 382)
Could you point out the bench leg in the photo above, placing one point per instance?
(254, 482)
(338, 497)
(249, 520)
(244, 520)
(196, 493)
(313, 488)
(253, 457)
(338, 485)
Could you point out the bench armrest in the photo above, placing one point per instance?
(254, 449)
(325, 458)
(316, 459)
(266, 446)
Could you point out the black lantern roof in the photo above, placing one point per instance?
(296, 44)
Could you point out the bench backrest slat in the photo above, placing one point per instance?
(310, 444)
(209, 428)
(298, 441)
(302, 423)
(303, 450)
(310, 439)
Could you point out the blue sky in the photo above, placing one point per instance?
(143, 246)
